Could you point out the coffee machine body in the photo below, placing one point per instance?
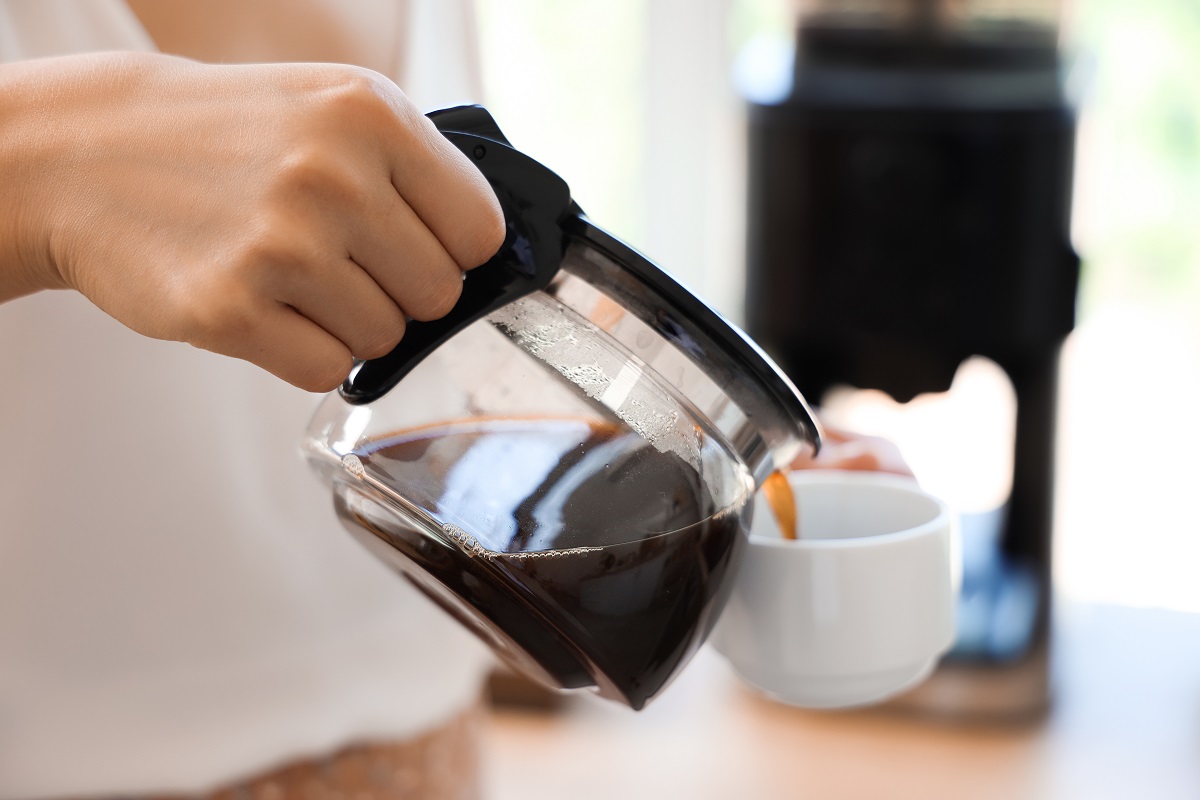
(909, 207)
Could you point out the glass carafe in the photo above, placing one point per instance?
(568, 472)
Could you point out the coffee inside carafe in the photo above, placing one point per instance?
(582, 553)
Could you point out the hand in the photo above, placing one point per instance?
(290, 215)
(842, 449)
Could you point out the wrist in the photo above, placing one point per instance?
(27, 154)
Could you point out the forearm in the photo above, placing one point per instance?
(26, 148)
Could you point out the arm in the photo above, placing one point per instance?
(290, 215)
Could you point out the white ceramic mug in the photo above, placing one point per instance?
(859, 607)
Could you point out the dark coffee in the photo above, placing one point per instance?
(584, 555)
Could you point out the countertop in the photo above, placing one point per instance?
(1124, 723)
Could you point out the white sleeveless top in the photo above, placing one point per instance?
(178, 605)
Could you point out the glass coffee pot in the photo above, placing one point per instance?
(566, 462)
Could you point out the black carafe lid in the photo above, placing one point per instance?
(542, 223)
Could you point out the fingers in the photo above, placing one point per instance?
(405, 259)
(446, 192)
(294, 348)
(405, 204)
(850, 451)
(347, 303)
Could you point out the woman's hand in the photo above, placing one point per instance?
(290, 215)
(842, 449)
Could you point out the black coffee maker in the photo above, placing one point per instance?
(909, 203)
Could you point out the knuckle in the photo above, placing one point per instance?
(356, 95)
(485, 237)
(265, 249)
(221, 316)
(227, 305)
(314, 171)
(323, 374)
(438, 300)
(383, 340)
(264, 260)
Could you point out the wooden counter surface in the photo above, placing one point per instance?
(1125, 723)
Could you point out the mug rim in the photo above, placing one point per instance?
(940, 521)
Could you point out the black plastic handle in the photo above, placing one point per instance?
(534, 200)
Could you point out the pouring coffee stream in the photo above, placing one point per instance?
(782, 501)
(579, 494)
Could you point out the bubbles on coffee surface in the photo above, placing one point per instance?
(472, 546)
